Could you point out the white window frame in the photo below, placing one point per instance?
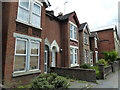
(28, 40)
(20, 54)
(30, 11)
(73, 49)
(86, 39)
(96, 56)
(73, 31)
(95, 42)
(34, 54)
(86, 56)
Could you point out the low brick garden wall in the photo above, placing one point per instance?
(107, 70)
(77, 73)
(104, 71)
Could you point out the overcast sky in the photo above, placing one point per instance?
(97, 13)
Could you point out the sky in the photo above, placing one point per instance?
(97, 13)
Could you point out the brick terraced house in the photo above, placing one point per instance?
(108, 40)
(35, 40)
(84, 34)
(94, 48)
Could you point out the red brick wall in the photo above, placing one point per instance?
(9, 27)
(106, 41)
(53, 32)
(65, 43)
(92, 46)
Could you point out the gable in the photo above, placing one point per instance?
(86, 29)
(73, 18)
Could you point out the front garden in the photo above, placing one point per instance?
(109, 57)
(48, 81)
(54, 81)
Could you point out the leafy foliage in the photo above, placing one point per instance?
(85, 66)
(110, 56)
(102, 61)
(49, 81)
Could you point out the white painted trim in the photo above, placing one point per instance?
(73, 47)
(73, 65)
(38, 1)
(28, 40)
(17, 35)
(96, 56)
(54, 44)
(73, 35)
(46, 63)
(73, 53)
(37, 55)
(74, 39)
(46, 41)
(31, 2)
(15, 54)
(25, 73)
(72, 23)
(23, 22)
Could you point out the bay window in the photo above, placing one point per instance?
(73, 31)
(20, 55)
(86, 55)
(26, 57)
(86, 38)
(74, 56)
(29, 12)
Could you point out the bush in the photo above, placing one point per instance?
(102, 61)
(110, 56)
(49, 81)
(85, 66)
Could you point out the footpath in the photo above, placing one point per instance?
(112, 81)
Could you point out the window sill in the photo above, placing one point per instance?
(19, 21)
(74, 39)
(74, 65)
(25, 73)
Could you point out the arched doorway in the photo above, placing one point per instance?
(54, 49)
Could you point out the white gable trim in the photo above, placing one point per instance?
(17, 35)
(54, 44)
(47, 43)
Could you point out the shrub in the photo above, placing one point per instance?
(113, 56)
(110, 56)
(49, 81)
(102, 61)
(85, 66)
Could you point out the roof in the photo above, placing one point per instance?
(65, 16)
(105, 28)
(82, 26)
(94, 34)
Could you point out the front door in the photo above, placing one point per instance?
(53, 58)
(91, 58)
(45, 61)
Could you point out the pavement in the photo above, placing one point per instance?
(111, 81)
